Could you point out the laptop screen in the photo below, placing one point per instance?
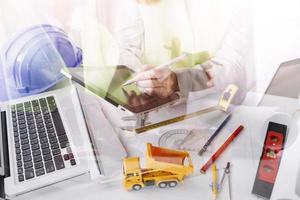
(2, 173)
(286, 82)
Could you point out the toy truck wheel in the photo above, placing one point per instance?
(172, 184)
(163, 184)
(136, 187)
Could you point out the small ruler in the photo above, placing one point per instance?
(223, 105)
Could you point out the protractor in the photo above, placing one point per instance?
(173, 138)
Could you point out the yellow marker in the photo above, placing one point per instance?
(214, 182)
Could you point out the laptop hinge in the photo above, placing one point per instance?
(5, 154)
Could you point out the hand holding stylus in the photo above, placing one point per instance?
(161, 82)
(158, 81)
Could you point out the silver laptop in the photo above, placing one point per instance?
(42, 141)
(107, 147)
(286, 83)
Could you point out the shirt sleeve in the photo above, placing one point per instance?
(228, 65)
(129, 33)
(190, 80)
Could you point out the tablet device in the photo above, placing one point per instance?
(106, 82)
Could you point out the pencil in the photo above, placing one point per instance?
(216, 155)
(214, 182)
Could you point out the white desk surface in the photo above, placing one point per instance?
(243, 153)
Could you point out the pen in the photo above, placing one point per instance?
(221, 149)
(204, 148)
(214, 182)
(171, 62)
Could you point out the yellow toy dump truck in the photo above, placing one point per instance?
(164, 167)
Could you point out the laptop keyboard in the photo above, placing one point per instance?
(40, 138)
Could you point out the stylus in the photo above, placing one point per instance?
(171, 62)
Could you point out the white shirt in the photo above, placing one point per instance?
(119, 32)
(222, 28)
(198, 24)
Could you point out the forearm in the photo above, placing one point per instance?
(195, 79)
(228, 65)
(190, 80)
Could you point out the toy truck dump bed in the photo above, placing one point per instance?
(164, 167)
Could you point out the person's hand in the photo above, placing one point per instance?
(210, 75)
(161, 82)
(208, 69)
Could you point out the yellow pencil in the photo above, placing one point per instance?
(214, 182)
